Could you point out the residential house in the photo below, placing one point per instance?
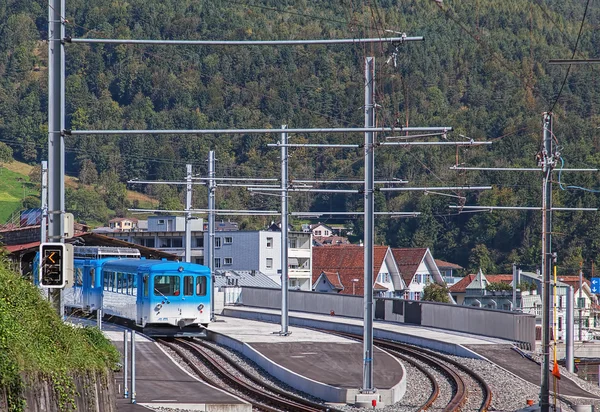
(340, 269)
(586, 305)
(324, 235)
(124, 224)
(471, 290)
(418, 269)
(449, 271)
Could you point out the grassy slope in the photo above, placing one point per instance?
(33, 339)
(14, 186)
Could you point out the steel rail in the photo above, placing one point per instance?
(289, 401)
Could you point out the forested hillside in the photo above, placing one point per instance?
(482, 69)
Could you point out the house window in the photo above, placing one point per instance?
(269, 263)
(160, 222)
(417, 295)
(199, 242)
(426, 279)
(228, 261)
(293, 243)
(406, 295)
(317, 233)
(228, 240)
(217, 263)
(270, 243)
(217, 242)
(326, 233)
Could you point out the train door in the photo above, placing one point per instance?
(143, 298)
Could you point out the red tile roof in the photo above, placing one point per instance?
(461, 285)
(334, 279)
(443, 264)
(408, 261)
(348, 262)
(573, 281)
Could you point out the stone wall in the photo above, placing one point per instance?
(95, 392)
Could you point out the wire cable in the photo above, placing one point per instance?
(572, 57)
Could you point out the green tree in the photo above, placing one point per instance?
(6, 153)
(436, 293)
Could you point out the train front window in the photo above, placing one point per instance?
(188, 285)
(201, 286)
(166, 286)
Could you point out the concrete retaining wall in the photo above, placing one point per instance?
(513, 326)
(95, 392)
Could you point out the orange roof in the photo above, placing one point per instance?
(408, 261)
(461, 285)
(443, 264)
(334, 279)
(573, 281)
(348, 262)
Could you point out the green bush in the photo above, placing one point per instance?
(34, 340)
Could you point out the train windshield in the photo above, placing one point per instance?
(201, 286)
(167, 285)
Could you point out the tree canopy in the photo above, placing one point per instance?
(482, 70)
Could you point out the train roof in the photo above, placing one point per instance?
(150, 265)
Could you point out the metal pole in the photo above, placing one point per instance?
(392, 40)
(369, 227)
(514, 289)
(56, 123)
(570, 360)
(211, 229)
(188, 215)
(133, 366)
(547, 165)
(260, 131)
(99, 318)
(125, 360)
(44, 221)
(284, 235)
(579, 303)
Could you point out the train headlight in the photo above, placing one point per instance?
(157, 307)
(200, 306)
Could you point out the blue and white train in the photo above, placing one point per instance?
(162, 298)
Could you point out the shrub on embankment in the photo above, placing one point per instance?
(40, 352)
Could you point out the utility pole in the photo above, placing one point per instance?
(580, 300)
(211, 230)
(368, 387)
(188, 215)
(56, 124)
(44, 221)
(547, 163)
(284, 235)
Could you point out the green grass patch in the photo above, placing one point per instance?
(33, 339)
(14, 187)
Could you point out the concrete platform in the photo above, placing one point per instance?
(454, 343)
(161, 382)
(507, 358)
(323, 365)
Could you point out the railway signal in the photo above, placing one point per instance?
(54, 264)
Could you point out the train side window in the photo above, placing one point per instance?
(146, 286)
(119, 282)
(93, 278)
(188, 285)
(201, 286)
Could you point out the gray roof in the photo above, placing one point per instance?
(244, 278)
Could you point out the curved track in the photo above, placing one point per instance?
(261, 395)
(439, 362)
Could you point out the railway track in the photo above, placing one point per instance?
(460, 376)
(261, 395)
